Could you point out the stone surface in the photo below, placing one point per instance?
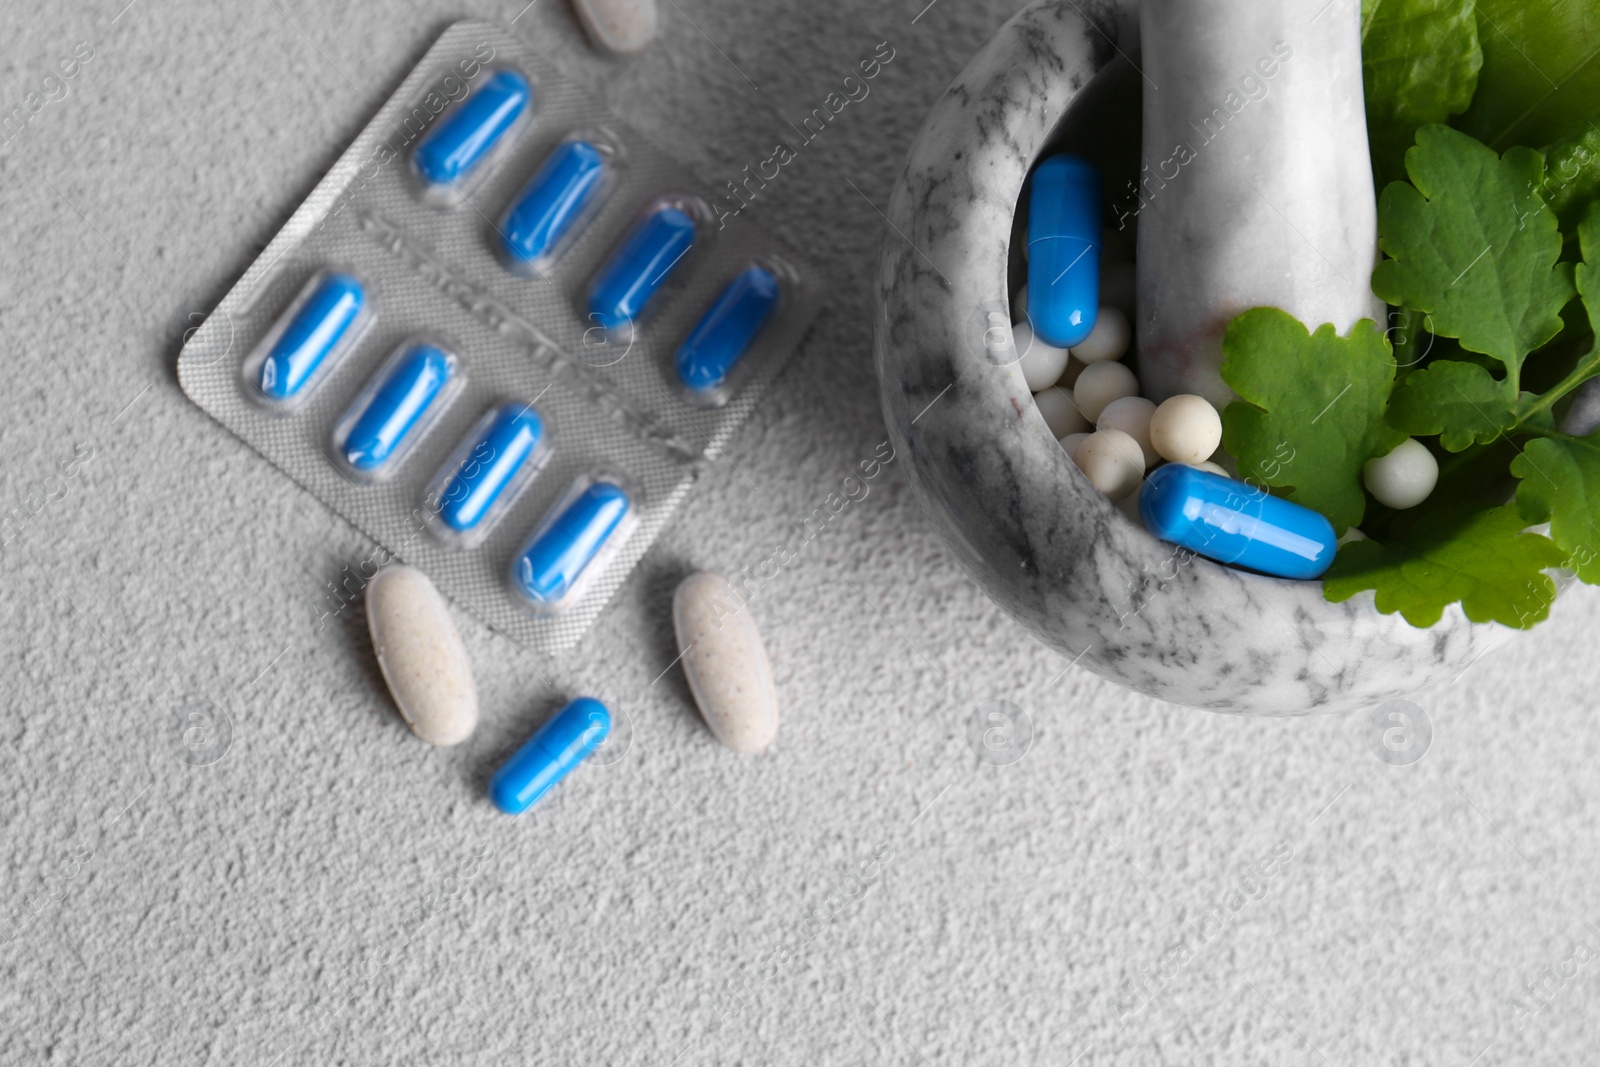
(329, 890)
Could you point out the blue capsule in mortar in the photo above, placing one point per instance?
(1064, 250)
(393, 410)
(552, 202)
(549, 755)
(473, 129)
(1232, 522)
(727, 330)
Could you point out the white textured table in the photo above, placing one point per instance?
(332, 891)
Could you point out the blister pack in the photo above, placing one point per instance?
(502, 336)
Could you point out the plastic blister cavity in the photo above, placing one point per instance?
(456, 476)
(482, 478)
(726, 342)
(396, 408)
(325, 320)
(558, 201)
(474, 134)
(582, 530)
(637, 277)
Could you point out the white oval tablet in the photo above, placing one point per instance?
(620, 26)
(422, 657)
(725, 662)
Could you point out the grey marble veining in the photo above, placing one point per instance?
(1021, 518)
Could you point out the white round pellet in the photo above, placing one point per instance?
(1214, 468)
(1119, 285)
(1113, 461)
(725, 662)
(1109, 338)
(1019, 304)
(1099, 385)
(1071, 441)
(1055, 404)
(620, 26)
(1353, 534)
(421, 655)
(1041, 363)
(1403, 478)
(1186, 429)
(1131, 415)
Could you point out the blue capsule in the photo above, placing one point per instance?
(549, 755)
(727, 329)
(324, 320)
(508, 439)
(401, 400)
(473, 129)
(1064, 250)
(1231, 522)
(639, 267)
(563, 190)
(547, 569)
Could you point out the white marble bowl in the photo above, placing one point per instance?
(1021, 518)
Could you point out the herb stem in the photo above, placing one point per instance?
(1585, 369)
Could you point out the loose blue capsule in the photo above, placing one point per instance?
(501, 451)
(554, 560)
(1064, 250)
(639, 267)
(726, 331)
(1232, 522)
(473, 128)
(549, 755)
(395, 408)
(323, 321)
(552, 202)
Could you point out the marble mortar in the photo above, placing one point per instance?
(1002, 493)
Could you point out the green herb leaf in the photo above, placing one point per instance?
(1460, 402)
(1535, 412)
(1572, 175)
(1540, 80)
(1561, 485)
(1482, 559)
(1311, 408)
(1561, 474)
(1419, 62)
(1472, 245)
